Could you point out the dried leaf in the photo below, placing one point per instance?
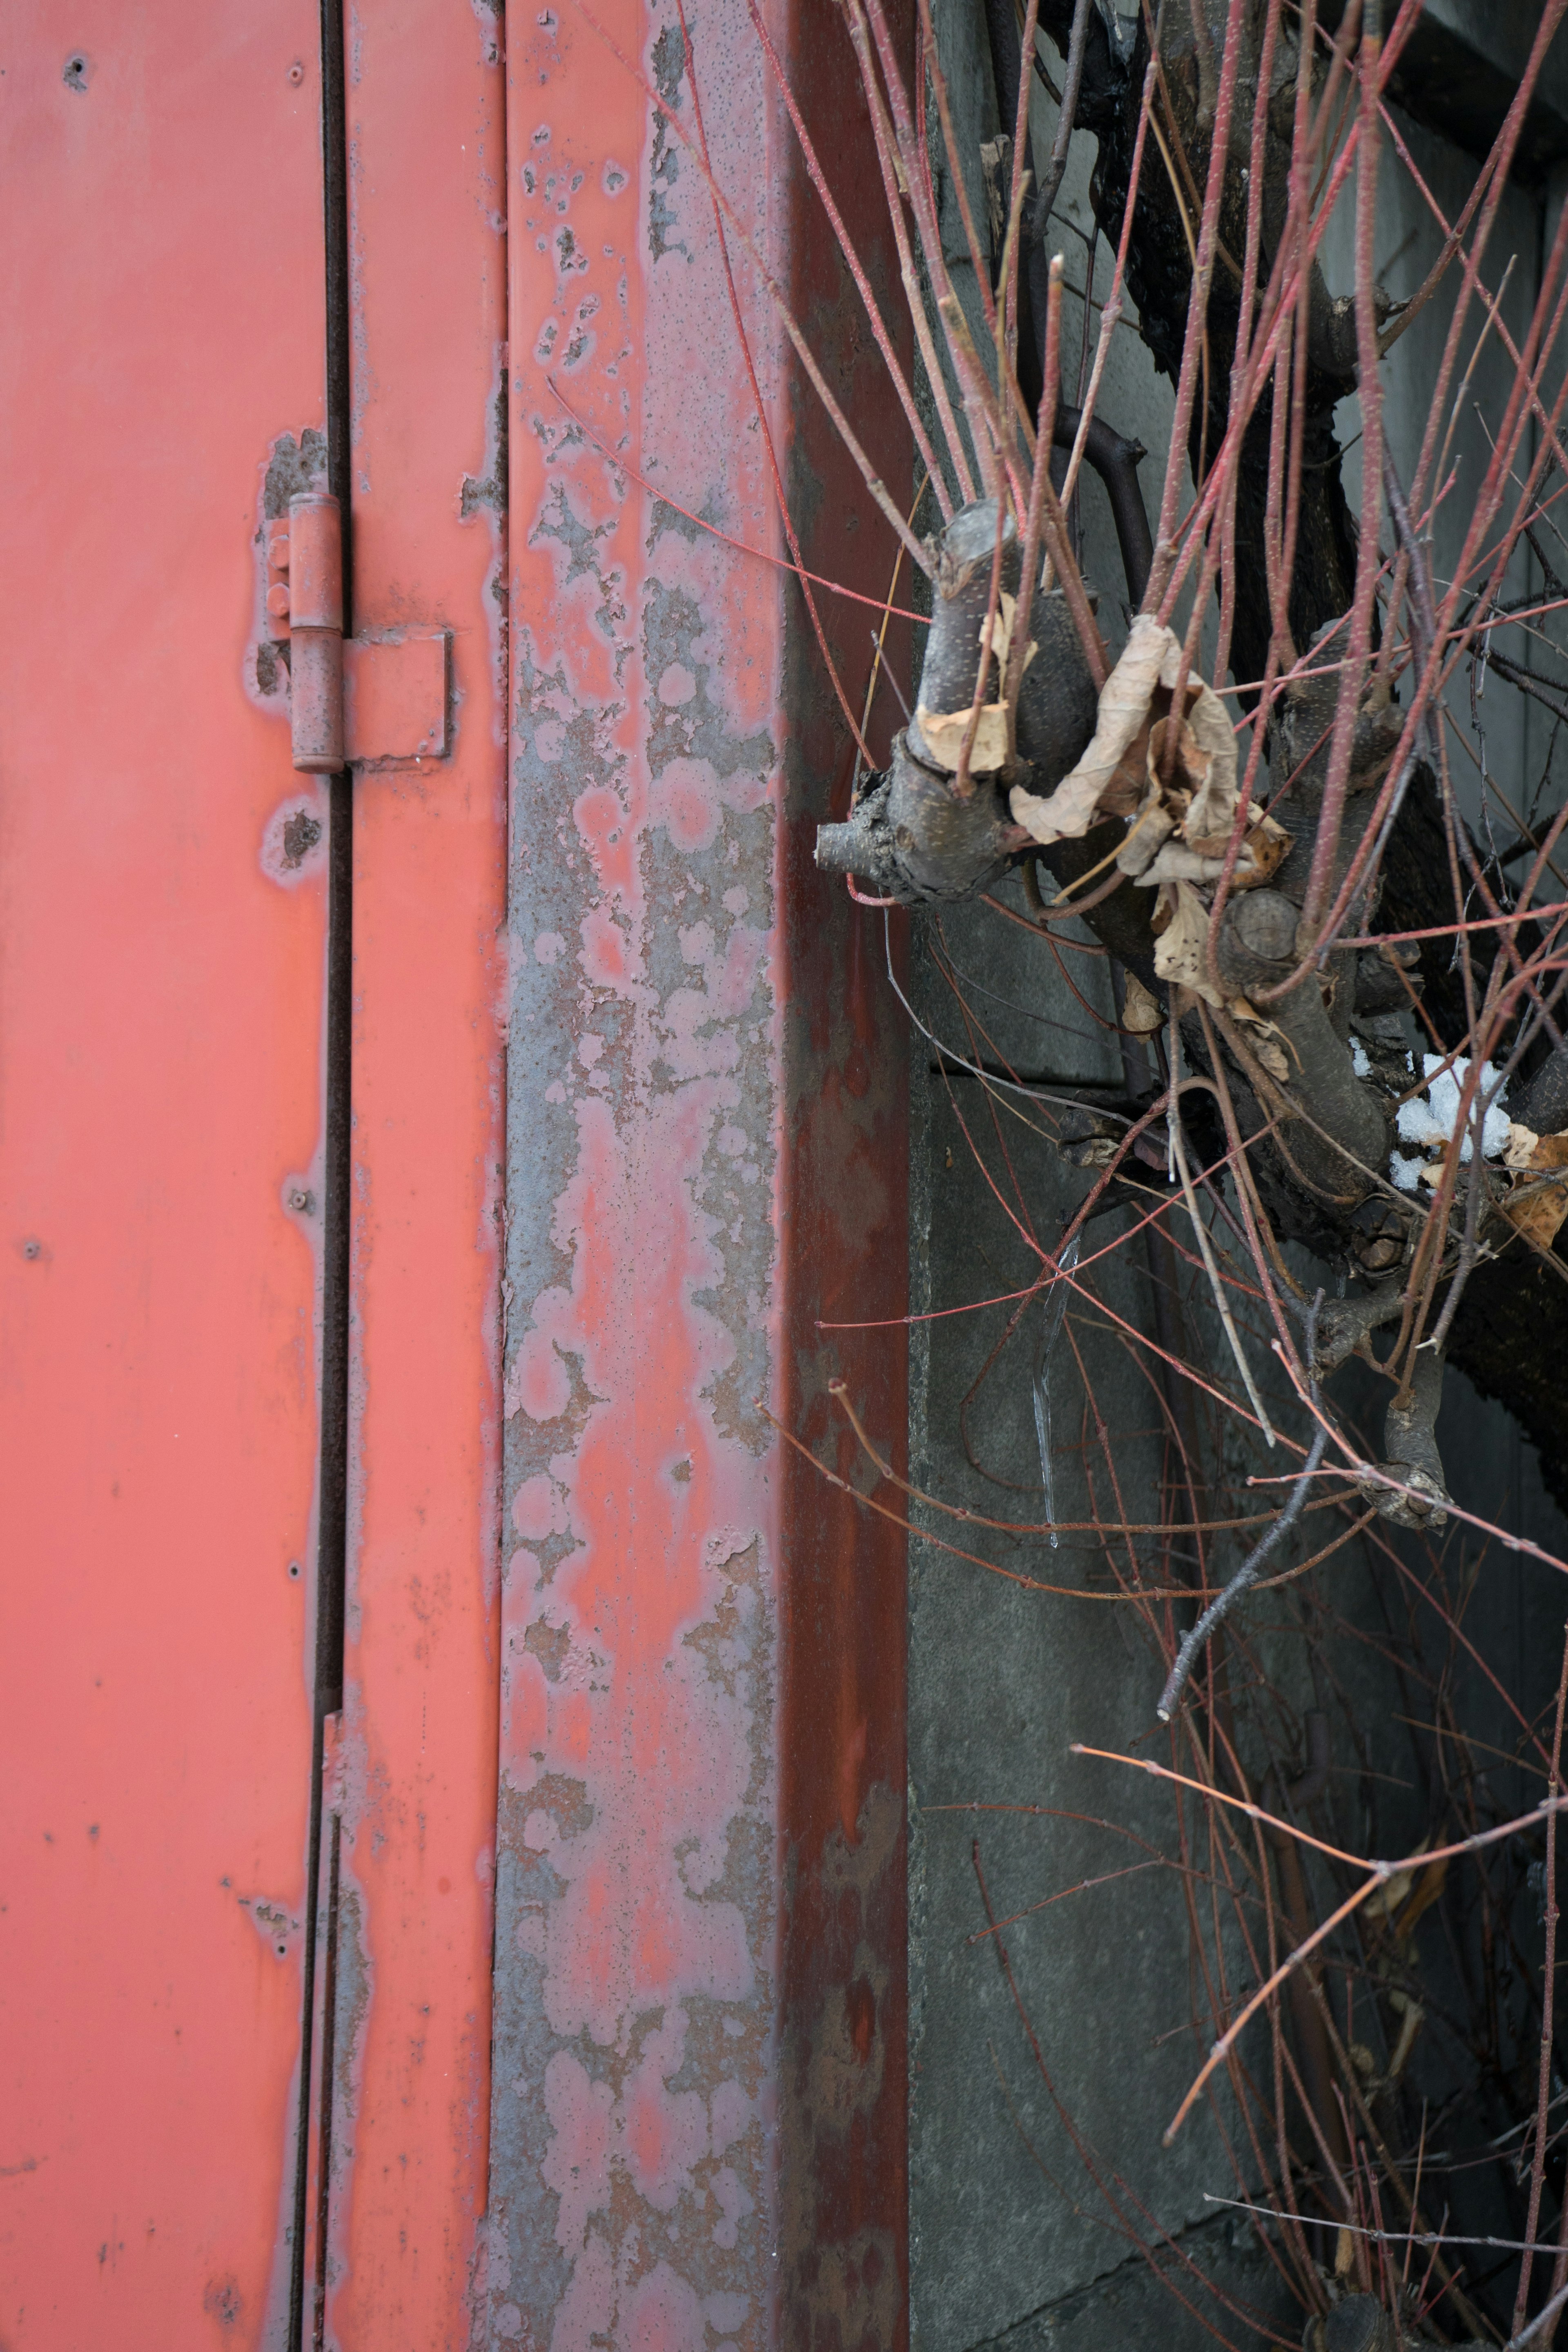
(1264, 848)
(1181, 948)
(1428, 1887)
(1268, 846)
(1000, 636)
(1176, 862)
(1262, 853)
(1179, 772)
(1179, 835)
(1146, 837)
(1414, 2017)
(1098, 1151)
(1142, 1012)
(1533, 1154)
(1386, 1899)
(1067, 814)
(1266, 1040)
(1212, 812)
(1203, 798)
(1539, 1214)
(1128, 783)
(943, 732)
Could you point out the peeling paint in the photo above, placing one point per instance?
(649, 1872)
(637, 1780)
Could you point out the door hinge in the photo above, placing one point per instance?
(353, 702)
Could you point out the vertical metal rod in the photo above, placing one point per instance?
(332, 1525)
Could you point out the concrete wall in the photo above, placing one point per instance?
(1011, 2240)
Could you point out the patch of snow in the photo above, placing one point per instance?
(1434, 1120)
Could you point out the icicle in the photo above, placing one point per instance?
(1054, 1306)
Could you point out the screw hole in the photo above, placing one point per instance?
(32, 1249)
(76, 69)
(295, 73)
(294, 1568)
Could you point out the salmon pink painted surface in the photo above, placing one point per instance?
(161, 948)
(410, 2114)
(696, 2134)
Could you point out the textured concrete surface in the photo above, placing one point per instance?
(1216, 2272)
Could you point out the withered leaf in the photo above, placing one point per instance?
(1150, 830)
(1179, 951)
(1265, 1038)
(1142, 1012)
(943, 732)
(1067, 814)
(1539, 1208)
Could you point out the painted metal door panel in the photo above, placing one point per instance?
(162, 942)
(410, 2114)
(699, 2094)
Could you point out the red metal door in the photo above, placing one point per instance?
(225, 1644)
(163, 914)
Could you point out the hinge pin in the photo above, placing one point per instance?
(314, 598)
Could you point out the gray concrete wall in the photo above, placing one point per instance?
(1011, 2240)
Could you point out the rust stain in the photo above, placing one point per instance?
(849, 2280)
(294, 843)
(224, 2301)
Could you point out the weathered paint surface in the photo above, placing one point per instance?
(162, 947)
(408, 2152)
(696, 2133)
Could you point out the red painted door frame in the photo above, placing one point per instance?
(699, 2126)
(171, 1187)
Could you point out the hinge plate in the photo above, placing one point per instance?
(394, 697)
